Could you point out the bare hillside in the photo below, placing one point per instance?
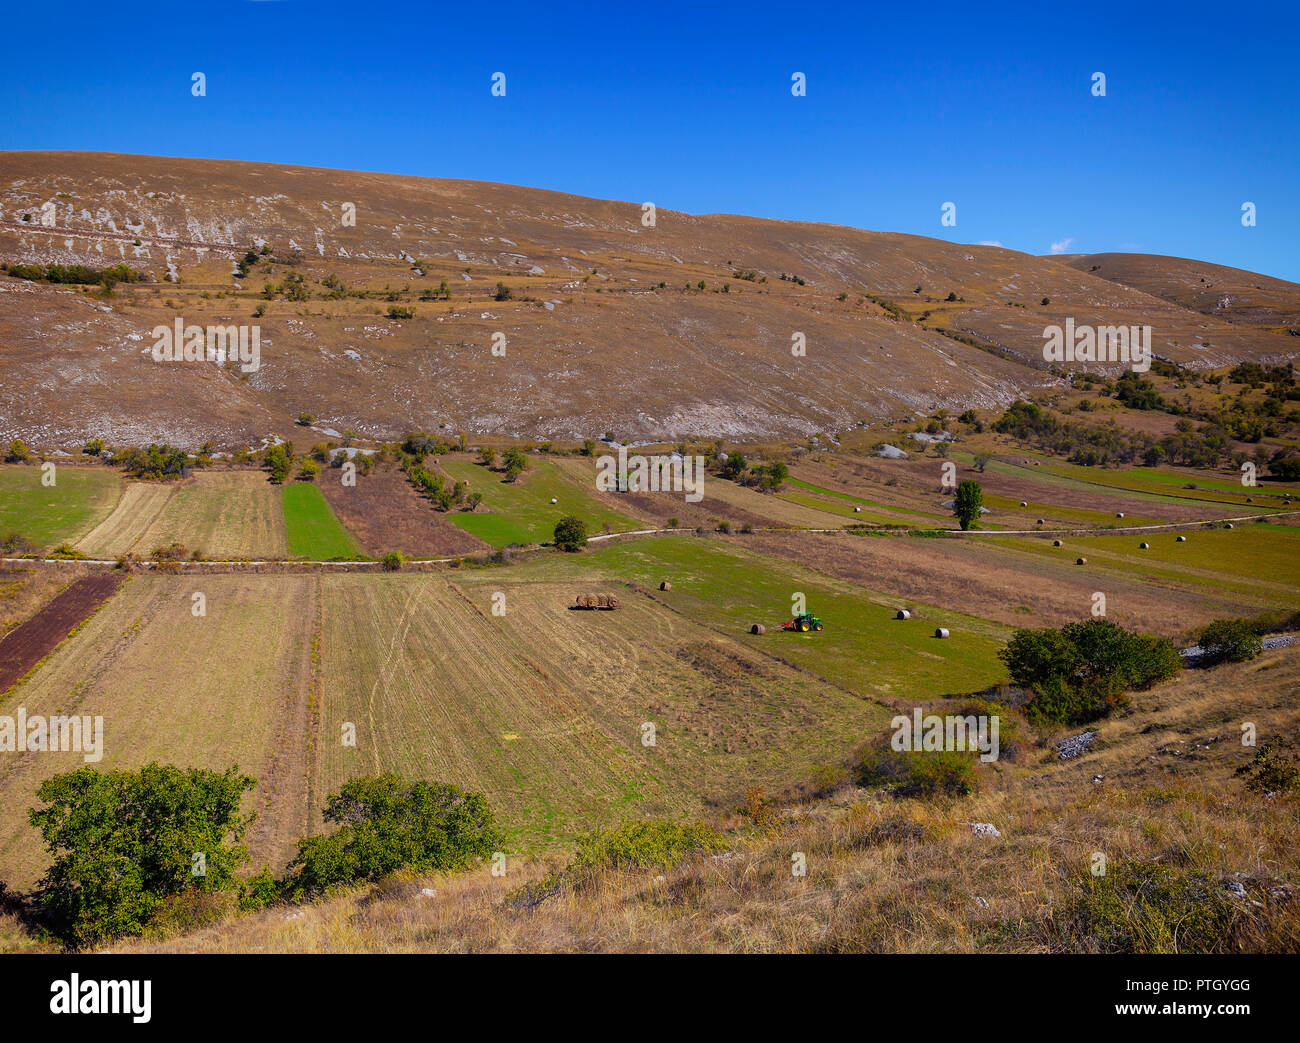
(612, 326)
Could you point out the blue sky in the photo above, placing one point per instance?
(908, 106)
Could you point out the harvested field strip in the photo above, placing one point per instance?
(207, 691)
(542, 708)
(1013, 588)
(136, 513)
(1118, 484)
(385, 513)
(223, 514)
(312, 529)
(46, 516)
(887, 507)
(30, 642)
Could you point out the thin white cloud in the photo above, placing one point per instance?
(989, 242)
(1062, 246)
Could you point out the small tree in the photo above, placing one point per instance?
(966, 506)
(487, 456)
(570, 534)
(515, 462)
(982, 461)
(392, 561)
(502, 293)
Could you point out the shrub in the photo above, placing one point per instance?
(1149, 908)
(918, 774)
(17, 452)
(653, 843)
(123, 842)
(309, 471)
(305, 420)
(570, 534)
(399, 312)
(1273, 769)
(94, 447)
(1230, 641)
(502, 292)
(386, 824)
(392, 561)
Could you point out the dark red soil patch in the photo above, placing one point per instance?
(30, 642)
(386, 514)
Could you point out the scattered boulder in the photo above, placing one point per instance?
(984, 829)
(427, 892)
(1074, 745)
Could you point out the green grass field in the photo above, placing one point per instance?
(522, 512)
(863, 648)
(47, 516)
(1262, 560)
(311, 527)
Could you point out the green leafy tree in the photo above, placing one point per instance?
(1230, 641)
(570, 534)
(122, 842)
(515, 463)
(966, 505)
(385, 824)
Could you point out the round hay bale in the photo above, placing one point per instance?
(614, 602)
(857, 510)
(940, 631)
(758, 628)
(554, 500)
(1039, 521)
(1023, 503)
(1081, 561)
(902, 613)
(1228, 526)
(1181, 539)
(1144, 546)
(1250, 499)
(1056, 543)
(1119, 514)
(665, 585)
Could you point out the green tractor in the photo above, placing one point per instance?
(803, 623)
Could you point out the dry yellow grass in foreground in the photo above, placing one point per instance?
(883, 874)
